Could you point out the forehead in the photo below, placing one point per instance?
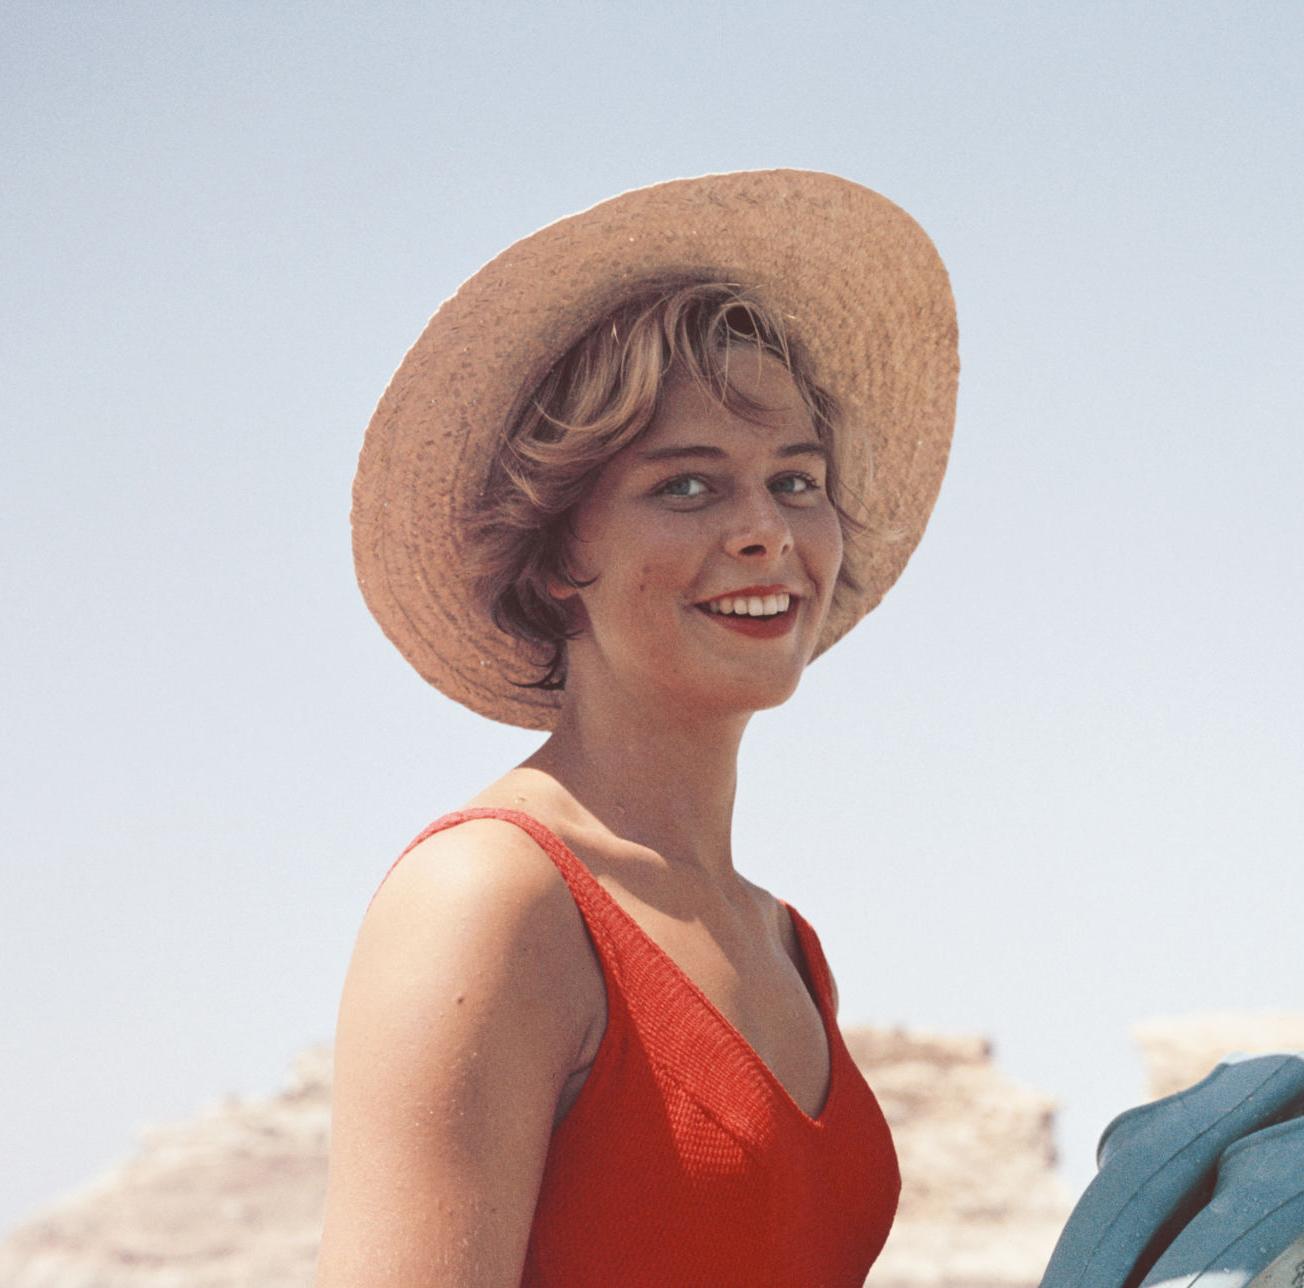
(687, 412)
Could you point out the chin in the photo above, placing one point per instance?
(779, 699)
(759, 697)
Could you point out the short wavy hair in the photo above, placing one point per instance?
(596, 400)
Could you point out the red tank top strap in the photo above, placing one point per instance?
(594, 903)
(817, 966)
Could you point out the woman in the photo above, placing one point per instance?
(643, 467)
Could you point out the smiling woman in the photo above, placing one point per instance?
(646, 560)
(717, 354)
(610, 494)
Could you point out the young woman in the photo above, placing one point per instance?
(641, 470)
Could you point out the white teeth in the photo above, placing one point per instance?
(752, 606)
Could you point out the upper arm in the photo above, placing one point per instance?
(457, 1029)
(833, 988)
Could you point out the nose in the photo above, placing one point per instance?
(759, 527)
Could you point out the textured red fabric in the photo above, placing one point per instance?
(684, 1161)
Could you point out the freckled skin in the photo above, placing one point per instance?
(746, 522)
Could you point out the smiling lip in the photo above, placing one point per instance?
(758, 627)
(748, 591)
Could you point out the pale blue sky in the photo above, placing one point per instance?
(1049, 788)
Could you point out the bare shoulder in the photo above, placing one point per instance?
(482, 851)
(457, 1029)
(486, 880)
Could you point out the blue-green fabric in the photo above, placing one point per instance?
(1158, 1165)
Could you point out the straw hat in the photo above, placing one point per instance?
(860, 285)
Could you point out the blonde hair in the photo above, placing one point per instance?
(594, 401)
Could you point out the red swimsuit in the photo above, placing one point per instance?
(684, 1161)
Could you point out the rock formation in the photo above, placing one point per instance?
(1181, 1050)
(234, 1198)
(955, 1117)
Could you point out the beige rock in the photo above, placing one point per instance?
(955, 1118)
(234, 1197)
(1180, 1050)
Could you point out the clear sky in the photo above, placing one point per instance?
(1049, 788)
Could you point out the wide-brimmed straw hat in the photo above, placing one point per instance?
(860, 287)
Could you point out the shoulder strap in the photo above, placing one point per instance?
(594, 903)
(821, 978)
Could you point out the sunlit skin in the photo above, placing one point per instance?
(662, 534)
(638, 781)
(658, 695)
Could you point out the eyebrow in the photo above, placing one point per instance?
(716, 453)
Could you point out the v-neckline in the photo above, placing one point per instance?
(807, 972)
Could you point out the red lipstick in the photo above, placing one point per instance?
(764, 628)
(744, 591)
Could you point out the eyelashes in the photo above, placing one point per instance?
(810, 485)
(670, 488)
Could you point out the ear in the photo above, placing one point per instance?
(567, 597)
(571, 603)
(558, 589)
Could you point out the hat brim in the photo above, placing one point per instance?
(861, 287)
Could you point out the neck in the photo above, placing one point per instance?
(662, 779)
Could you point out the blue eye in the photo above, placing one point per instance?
(665, 488)
(802, 483)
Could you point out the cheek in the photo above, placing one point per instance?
(666, 559)
(835, 541)
(650, 561)
(647, 605)
(652, 579)
(824, 539)
(635, 590)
